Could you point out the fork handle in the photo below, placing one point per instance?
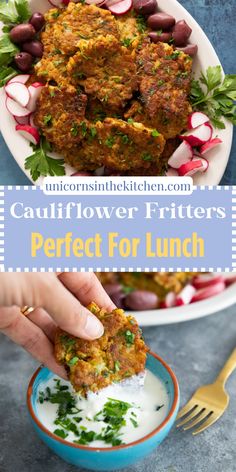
(228, 368)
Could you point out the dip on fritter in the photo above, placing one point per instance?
(112, 98)
(92, 365)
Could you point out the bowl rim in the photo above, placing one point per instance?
(112, 448)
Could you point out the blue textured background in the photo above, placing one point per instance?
(218, 19)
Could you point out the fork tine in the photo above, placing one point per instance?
(211, 419)
(197, 420)
(191, 415)
(186, 409)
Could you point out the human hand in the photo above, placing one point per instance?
(58, 301)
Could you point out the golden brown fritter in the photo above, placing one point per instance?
(158, 282)
(132, 33)
(165, 76)
(106, 70)
(118, 354)
(60, 115)
(119, 145)
(78, 22)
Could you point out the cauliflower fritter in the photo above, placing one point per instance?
(120, 146)
(132, 33)
(77, 22)
(106, 70)
(165, 76)
(92, 365)
(60, 115)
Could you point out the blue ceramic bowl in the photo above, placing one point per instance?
(109, 458)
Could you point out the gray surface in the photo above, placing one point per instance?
(196, 351)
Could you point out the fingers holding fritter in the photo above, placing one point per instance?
(118, 354)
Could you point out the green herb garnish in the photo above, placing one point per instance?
(39, 163)
(129, 337)
(61, 433)
(47, 119)
(110, 141)
(215, 95)
(146, 156)
(155, 133)
(73, 361)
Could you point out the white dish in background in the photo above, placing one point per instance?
(206, 56)
(188, 312)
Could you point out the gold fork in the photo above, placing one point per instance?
(209, 402)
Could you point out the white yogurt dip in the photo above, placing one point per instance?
(147, 407)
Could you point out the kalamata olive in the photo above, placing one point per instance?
(145, 7)
(162, 37)
(141, 300)
(190, 49)
(118, 299)
(81, 174)
(112, 288)
(181, 33)
(22, 33)
(24, 61)
(34, 47)
(37, 20)
(161, 21)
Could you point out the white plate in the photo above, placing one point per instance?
(207, 56)
(188, 312)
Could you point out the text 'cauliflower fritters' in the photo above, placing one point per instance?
(118, 354)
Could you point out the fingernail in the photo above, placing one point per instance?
(93, 328)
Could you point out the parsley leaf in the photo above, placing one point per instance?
(14, 11)
(39, 163)
(7, 50)
(215, 96)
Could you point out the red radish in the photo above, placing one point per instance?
(29, 132)
(18, 92)
(172, 173)
(81, 174)
(199, 135)
(22, 78)
(206, 280)
(170, 300)
(65, 2)
(95, 2)
(210, 145)
(190, 168)
(109, 3)
(56, 3)
(121, 7)
(34, 91)
(197, 118)
(15, 109)
(205, 163)
(230, 280)
(24, 120)
(208, 292)
(185, 296)
(31, 120)
(181, 155)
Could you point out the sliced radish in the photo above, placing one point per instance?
(24, 120)
(18, 92)
(22, 78)
(197, 118)
(170, 300)
(66, 2)
(109, 3)
(34, 90)
(190, 168)
(206, 280)
(29, 132)
(230, 280)
(95, 2)
(121, 7)
(81, 174)
(210, 145)
(171, 173)
(198, 136)
(205, 163)
(31, 120)
(56, 3)
(15, 109)
(181, 155)
(185, 296)
(208, 292)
